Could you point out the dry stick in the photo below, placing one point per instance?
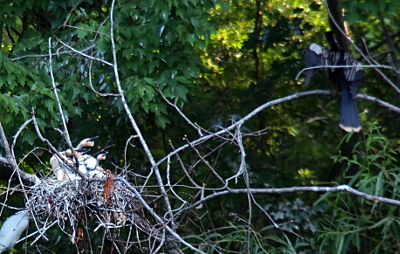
(379, 102)
(133, 122)
(178, 158)
(68, 16)
(367, 51)
(169, 183)
(94, 90)
(242, 167)
(243, 170)
(360, 51)
(128, 142)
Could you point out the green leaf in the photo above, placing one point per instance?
(81, 33)
(161, 121)
(380, 222)
(180, 91)
(49, 104)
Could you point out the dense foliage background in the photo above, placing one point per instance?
(216, 61)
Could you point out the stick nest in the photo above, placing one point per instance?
(77, 202)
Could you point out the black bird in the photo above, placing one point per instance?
(349, 78)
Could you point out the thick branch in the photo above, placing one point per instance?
(10, 166)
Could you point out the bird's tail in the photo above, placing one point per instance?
(349, 118)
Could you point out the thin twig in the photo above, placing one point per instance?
(16, 136)
(83, 54)
(196, 127)
(53, 54)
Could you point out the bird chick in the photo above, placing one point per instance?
(93, 165)
(57, 164)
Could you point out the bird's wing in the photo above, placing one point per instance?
(353, 74)
(318, 56)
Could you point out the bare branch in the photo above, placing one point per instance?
(379, 102)
(63, 121)
(24, 177)
(345, 66)
(90, 70)
(338, 188)
(53, 54)
(132, 120)
(16, 136)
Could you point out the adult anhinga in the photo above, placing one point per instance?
(58, 166)
(348, 77)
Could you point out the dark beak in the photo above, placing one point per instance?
(94, 138)
(104, 153)
(83, 151)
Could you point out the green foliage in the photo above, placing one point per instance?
(217, 60)
(358, 225)
(156, 43)
(360, 10)
(241, 239)
(23, 89)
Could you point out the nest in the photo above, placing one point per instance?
(74, 204)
